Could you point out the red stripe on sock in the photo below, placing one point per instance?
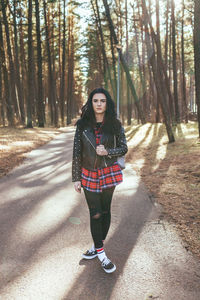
(100, 249)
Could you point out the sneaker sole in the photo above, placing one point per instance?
(111, 270)
(89, 257)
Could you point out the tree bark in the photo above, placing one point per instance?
(23, 61)
(157, 74)
(18, 80)
(105, 59)
(30, 94)
(197, 56)
(62, 84)
(162, 69)
(113, 65)
(177, 113)
(40, 95)
(129, 108)
(9, 110)
(167, 34)
(185, 110)
(2, 102)
(142, 93)
(70, 77)
(51, 84)
(10, 58)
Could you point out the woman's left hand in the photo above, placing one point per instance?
(101, 150)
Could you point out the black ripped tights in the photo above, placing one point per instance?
(99, 205)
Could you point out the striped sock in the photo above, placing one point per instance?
(101, 253)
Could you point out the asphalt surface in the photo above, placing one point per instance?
(44, 228)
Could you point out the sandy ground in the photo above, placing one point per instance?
(44, 228)
(171, 173)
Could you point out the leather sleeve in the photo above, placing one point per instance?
(121, 145)
(77, 156)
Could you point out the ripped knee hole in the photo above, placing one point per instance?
(96, 216)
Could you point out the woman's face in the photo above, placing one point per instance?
(99, 103)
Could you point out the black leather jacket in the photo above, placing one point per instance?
(84, 150)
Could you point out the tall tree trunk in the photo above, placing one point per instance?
(142, 93)
(129, 108)
(59, 41)
(2, 106)
(105, 59)
(177, 113)
(2, 103)
(167, 34)
(158, 75)
(197, 55)
(30, 94)
(70, 77)
(51, 84)
(125, 67)
(161, 67)
(113, 65)
(23, 61)
(10, 58)
(144, 79)
(51, 17)
(156, 38)
(9, 110)
(62, 84)
(18, 80)
(183, 66)
(152, 96)
(40, 96)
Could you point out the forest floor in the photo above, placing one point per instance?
(16, 142)
(171, 172)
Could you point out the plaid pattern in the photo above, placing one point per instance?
(97, 131)
(101, 178)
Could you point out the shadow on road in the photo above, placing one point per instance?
(45, 174)
(23, 192)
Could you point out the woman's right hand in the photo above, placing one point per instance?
(77, 186)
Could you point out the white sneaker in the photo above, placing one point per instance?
(89, 254)
(108, 266)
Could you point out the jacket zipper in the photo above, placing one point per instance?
(89, 140)
(92, 147)
(105, 162)
(104, 158)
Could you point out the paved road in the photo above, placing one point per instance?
(44, 228)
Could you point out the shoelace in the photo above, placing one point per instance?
(106, 261)
(91, 251)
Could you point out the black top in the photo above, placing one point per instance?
(98, 124)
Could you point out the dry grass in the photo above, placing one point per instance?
(172, 174)
(16, 142)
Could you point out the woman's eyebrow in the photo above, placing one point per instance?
(99, 99)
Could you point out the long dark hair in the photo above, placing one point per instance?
(110, 123)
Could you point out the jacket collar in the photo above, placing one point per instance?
(91, 136)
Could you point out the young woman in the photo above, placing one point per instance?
(98, 141)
